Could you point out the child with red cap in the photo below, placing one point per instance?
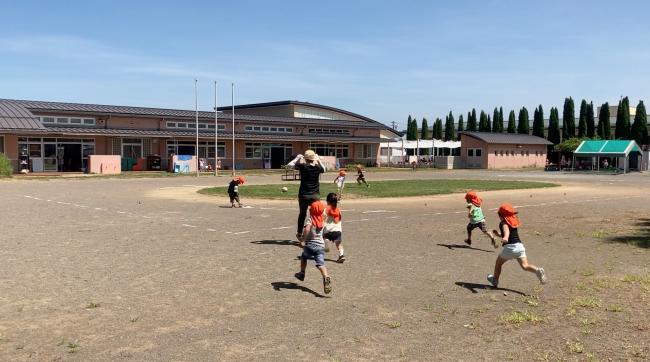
(513, 248)
(313, 245)
(476, 218)
(233, 190)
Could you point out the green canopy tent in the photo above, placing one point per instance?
(620, 150)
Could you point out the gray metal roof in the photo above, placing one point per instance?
(16, 116)
(90, 131)
(98, 109)
(507, 138)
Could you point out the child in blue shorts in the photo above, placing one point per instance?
(313, 245)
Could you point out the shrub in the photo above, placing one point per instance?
(6, 169)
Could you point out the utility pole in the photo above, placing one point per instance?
(394, 124)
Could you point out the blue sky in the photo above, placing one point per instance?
(382, 59)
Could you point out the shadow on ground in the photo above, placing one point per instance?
(639, 237)
(460, 246)
(289, 285)
(275, 242)
(472, 287)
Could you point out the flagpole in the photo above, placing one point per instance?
(232, 85)
(216, 133)
(196, 110)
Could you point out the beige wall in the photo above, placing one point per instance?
(503, 156)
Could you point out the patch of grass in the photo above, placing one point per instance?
(587, 273)
(134, 319)
(428, 307)
(518, 317)
(6, 169)
(586, 302)
(614, 308)
(394, 188)
(393, 325)
(531, 301)
(599, 234)
(630, 278)
(73, 346)
(92, 305)
(575, 346)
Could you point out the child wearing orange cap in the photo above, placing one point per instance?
(233, 190)
(476, 218)
(513, 248)
(340, 183)
(313, 245)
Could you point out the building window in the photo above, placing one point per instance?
(268, 129)
(2, 144)
(75, 121)
(325, 149)
(192, 125)
(329, 131)
(470, 152)
(132, 147)
(206, 149)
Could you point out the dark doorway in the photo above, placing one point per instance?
(277, 157)
(71, 157)
(186, 150)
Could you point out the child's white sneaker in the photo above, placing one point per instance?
(541, 275)
(492, 280)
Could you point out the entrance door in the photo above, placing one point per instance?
(71, 157)
(277, 157)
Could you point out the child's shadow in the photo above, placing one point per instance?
(473, 286)
(290, 285)
(275, 242)
(460, 246)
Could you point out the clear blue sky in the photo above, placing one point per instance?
(382, 59)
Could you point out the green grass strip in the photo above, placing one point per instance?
(378, 189)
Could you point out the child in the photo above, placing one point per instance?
(360, 176)
(314, 246)
(513, 248)
(340, 183)
(233, 190)
(333, 227)
(476, 218)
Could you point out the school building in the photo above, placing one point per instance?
(59, 137)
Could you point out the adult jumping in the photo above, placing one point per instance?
(310, 169)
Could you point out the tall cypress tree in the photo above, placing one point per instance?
(471, 122)
(450, 135)
(424, 133)
(495, 120)
(482, 122)
(489, 124)
(511, 123)
(500, 119)
(622, 131)
(409, 125)
(538, 122)
(461, 126)
(582, 122)
(639, 131)
(604, 128)
(591, 133)
(437, 129)
(554, 127)
(568, 119)
(524, 125)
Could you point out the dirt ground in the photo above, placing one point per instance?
(146, 269)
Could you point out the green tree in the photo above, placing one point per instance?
(622, 130)
(569, 145)
(591, 133)
(524, 125)
(450, 135)
(461, 125)
(554, 127)
(582, 122)
(488, 125)
(409, 129)
(437, 129)
(500, 119)
(538, 122)
(424, 133)
(511, 123)
(495, 120)
(471, 122)
(483, 123)
(639, 131)
(604, 128)
(568, 119)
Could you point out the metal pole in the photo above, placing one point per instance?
(216, 133)
(232, 85)
(196, 110)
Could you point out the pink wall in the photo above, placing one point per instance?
(502, 156)
(105, 164)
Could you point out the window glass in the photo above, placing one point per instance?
(478, 152)
(62, 120)
(2, 144)
(89, 121)
(470, 152)
(34, 150)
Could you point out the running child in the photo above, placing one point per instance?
(333, 227)
(233, 190)
(340, 183)
(513, 248)
(476, 218)
(360, 176)
(313, 245)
